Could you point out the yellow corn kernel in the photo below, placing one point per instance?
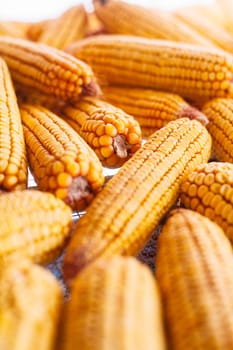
(100, 316)
(216, 196)
(123, 215)
(108, 130)
(194, 273)
(54, 146)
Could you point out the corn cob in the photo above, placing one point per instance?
(194, 273)
(190, 71)
(35, 225)
(99, 315)
(216, 34)
(13, 163)
(110, 132)
(140, 21)
(220, 114)
(47, 69)
(60, 160)
(123, 215)
(36, 29)
(69, 27)
(209, 191)
(93, 25)
(152, 109)
(30, 303)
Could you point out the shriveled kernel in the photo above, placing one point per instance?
(206, 200)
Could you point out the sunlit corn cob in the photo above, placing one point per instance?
(47, 69)
(209, 191)
(190, 71)
(194, 272)
(94, 25)
(119, 17)
(69, 27)
(30, 303)
(220, 114)
(110, 301)
(13, 163)
(34, 225)
(152, 109)
(216, 34)
(110, 132)
(36, 29)
(123, 215)
(60, 160)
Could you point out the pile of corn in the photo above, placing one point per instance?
(79, 93)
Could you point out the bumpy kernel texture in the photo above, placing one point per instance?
(163, 65)
(69, 27)
(140, 21)
(110, 132)
(60, 160)
(46, 69)
(211, 185)
(220, 114)
(123, 215)
(30, 304)
(109, 303)
(13, 162)
(194, 272)
(35, 225)
(152, 109)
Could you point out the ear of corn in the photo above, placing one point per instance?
(46, 69)
(209, 191)
(218, 35)
(13, 163)
(60, 160)
(220, 114)
(152, 109)
(110, 301)
(123, 215)
(93, 26)
(30, 303)
(140, 21)
(69, 27)
(110, 132)
(36, 29)
(35, 225)
(194, 272)
(196, 73)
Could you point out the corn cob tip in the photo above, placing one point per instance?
(193, 113)
(78, 191)
(91, 89)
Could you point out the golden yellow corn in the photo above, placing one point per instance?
(69, 27)
(36, 29)
(194, 272)
(152, 109)
(110, 132)
(110, 301)
(190, 71)
(13, 162)
(94, 25)
(119, 17)
(123, 215)
(60, 160)
(209, 191)
(215, 33)
(220, 114)
(30, 303)
(34, 225)
(47, 69)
